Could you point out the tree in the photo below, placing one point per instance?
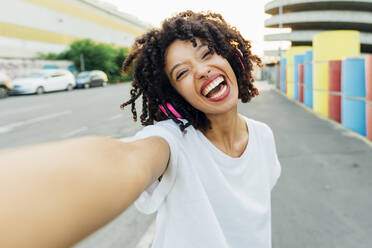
(97, 56)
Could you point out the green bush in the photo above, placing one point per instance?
(97, 56)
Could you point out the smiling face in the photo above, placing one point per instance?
(204, 79)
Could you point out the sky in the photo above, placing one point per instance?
(246, 15)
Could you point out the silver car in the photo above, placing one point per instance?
(87, 79)
(43, 81)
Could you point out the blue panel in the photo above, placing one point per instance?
(283, 64)
(353, 77)
(353, 115)
(308, 56)
(308, 79)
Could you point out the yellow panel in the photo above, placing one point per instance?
(333, 45)
(27, 33)
(320, 75)
(320, 102)
(320, 87)
(85, 14)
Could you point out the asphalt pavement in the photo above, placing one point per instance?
(33, 119)
(321, 199)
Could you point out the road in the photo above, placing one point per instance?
(321, 199)
(33, 119)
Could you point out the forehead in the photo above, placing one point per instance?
(179, 50)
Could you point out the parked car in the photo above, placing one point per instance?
(43, 81)
(4, 85)
(88, 79)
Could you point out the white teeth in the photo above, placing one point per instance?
(215, 82)
(220, 92)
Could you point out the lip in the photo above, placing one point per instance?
(210, 80)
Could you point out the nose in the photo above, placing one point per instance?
(202, 71)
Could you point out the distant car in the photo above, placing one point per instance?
(4, 85)
(87, 79)
(43, 81)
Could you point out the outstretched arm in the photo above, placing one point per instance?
(55, 194)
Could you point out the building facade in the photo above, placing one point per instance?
(30, 27)
(306, 18)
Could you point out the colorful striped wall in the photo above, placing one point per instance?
(333, 79)
(290, 71)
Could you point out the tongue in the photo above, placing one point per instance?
(214, 90)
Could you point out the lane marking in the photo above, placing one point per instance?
(74, 132)
(148, 237)
(10, 127)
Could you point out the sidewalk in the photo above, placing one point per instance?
(321, 199)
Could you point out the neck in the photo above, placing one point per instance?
(229, 131)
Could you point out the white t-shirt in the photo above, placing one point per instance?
(207, 198)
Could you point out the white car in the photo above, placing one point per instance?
(43, 81)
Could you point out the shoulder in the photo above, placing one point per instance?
(168, 126)
(167, 129)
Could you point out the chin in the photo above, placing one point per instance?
(222, 109)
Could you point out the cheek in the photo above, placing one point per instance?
(183, 91)
(186, 91)
(230, 71)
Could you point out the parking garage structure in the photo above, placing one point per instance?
(306, 18)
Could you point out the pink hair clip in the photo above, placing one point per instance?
(171, 109)
(240, 57)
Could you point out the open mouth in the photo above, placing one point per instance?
(216, 88)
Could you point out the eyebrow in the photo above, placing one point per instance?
(176, 65)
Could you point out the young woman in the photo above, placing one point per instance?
(205, 169)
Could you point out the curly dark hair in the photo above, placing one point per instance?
(148, 58)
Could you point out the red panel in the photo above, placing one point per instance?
(334, 75)
(301, 82)
(369, 120)
(334, 100)
(368, 67)
(334, 108)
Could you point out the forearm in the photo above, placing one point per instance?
(55, 194)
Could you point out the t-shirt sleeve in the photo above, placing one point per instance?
(275, 167)
(151, 199)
